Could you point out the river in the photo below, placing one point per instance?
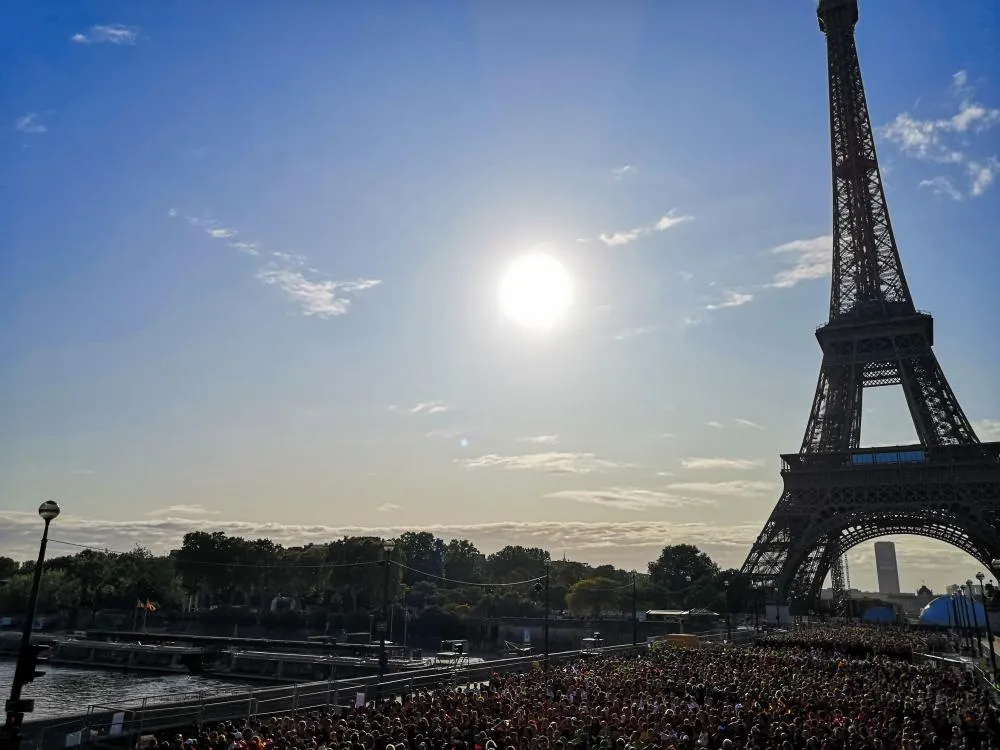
(65, 691)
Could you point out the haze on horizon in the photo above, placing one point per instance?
(271, 277)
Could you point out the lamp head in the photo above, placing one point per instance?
(48, 510)
(388, 545)
(980, 576)
(968, 582)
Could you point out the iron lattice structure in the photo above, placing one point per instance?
(836, 493)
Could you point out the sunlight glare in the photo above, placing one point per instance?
(535, 291)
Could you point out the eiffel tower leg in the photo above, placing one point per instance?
(835, 420)
(937, 415)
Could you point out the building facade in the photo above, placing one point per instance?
(885, 568)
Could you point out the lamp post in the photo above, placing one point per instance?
(383, 657)
(756, 607)
(541, 588)
(989, 628)
(27, 656)
(975, 618)
(729, 625)
(635, 615)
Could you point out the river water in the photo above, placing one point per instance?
(64, 690)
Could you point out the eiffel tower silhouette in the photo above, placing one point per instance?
(836, 493)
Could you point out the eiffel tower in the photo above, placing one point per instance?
(836, 493)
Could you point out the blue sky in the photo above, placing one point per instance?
(251, 263)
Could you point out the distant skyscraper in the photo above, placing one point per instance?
(885, 568)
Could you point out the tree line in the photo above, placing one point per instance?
(216, 575)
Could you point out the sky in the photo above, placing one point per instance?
(251, 264)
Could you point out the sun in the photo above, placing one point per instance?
(536, 291)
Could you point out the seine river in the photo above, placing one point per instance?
(64, 690)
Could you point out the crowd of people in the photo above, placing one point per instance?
(825, 689)
(859, 641)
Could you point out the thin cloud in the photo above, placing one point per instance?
(714, 423)
(619, 239)
(250, 248)
(626, 498)
(731, 298)
(29, 125)
(388, 507)
(540, 439)
(553, 463)
(110, 34)
(182, 511)
(748, 423)
(429, 407)
(735, 488)
(315, 296)
(623, 171)
(988, 430)
(720, 463)
(982, 174)
(945, 140)
(941, 185)
(807, 260)
(628, 544)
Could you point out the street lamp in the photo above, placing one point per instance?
(27, 656)
(539, 588)
(729, 625)
(383, 657)
(989, 628)
(975, 617)
(635, 615)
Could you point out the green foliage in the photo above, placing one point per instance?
(57, 590)
(596, 596)
(235, 580)
(680, 566)
(8, 568)
(516, 563)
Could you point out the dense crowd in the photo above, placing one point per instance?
(859, 641)
(783, 692)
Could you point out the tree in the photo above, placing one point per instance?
(463, 562)
(360, 574)
(424, 554)
(738, 591)
(8, 568)
(203, 563)
(57, 590)
(595, 596)
(516, 563)
(681, 567)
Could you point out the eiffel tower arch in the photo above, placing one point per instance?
(838, 494)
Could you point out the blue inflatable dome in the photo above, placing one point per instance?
(879, 614)
(941, 611)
